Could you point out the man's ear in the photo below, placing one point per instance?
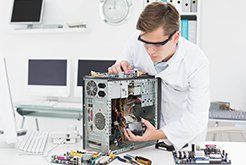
(176, 37)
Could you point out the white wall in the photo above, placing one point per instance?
(223, 36)
(222, 39)
(101, 41)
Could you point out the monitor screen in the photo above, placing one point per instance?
(27, 11)
(86, 66)
(48, 77)
(47, 72)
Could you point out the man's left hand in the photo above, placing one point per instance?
(151, 133)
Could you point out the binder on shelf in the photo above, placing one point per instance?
(185, 28)
(178, 5)
(186, 5)
(194, 6)
(192, 31)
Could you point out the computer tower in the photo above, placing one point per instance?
(112, 104)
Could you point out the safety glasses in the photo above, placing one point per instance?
(156, 44)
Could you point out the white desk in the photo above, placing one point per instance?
(51, 109)
(12, 156)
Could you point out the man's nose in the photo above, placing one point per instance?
(151, 49)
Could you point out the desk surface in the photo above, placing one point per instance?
(9, 156)
(56, 109)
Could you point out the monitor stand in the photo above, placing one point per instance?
(30, 26)
(41, 26)
(44, 26)
(52, 99)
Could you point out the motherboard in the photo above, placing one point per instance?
(210, 154)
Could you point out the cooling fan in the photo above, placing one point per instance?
(91, 88)
(100, 121)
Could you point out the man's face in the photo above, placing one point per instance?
(158, 45)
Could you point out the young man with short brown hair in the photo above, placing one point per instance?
(158, 49)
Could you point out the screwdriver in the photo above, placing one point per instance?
(141, 159)
(131, 160)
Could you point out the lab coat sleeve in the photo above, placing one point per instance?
(195, 118)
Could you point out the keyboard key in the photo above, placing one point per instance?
(34, 142)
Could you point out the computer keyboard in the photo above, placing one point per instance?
(227, 115)
(34, 142)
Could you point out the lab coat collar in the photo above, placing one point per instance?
(177, 57)
(179, 53)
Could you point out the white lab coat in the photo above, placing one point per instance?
(185, 90)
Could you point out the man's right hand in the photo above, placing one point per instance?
(121, 66)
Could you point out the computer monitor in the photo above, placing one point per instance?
(27, 12)
(7, 117)
(49, 77)
(85, 66)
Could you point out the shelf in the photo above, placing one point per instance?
(188, 13)
(189, 17)
(51, 30)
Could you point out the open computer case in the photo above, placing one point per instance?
(112, 104)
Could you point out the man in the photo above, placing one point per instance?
(158, 49)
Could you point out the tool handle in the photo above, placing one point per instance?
(143, 160)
